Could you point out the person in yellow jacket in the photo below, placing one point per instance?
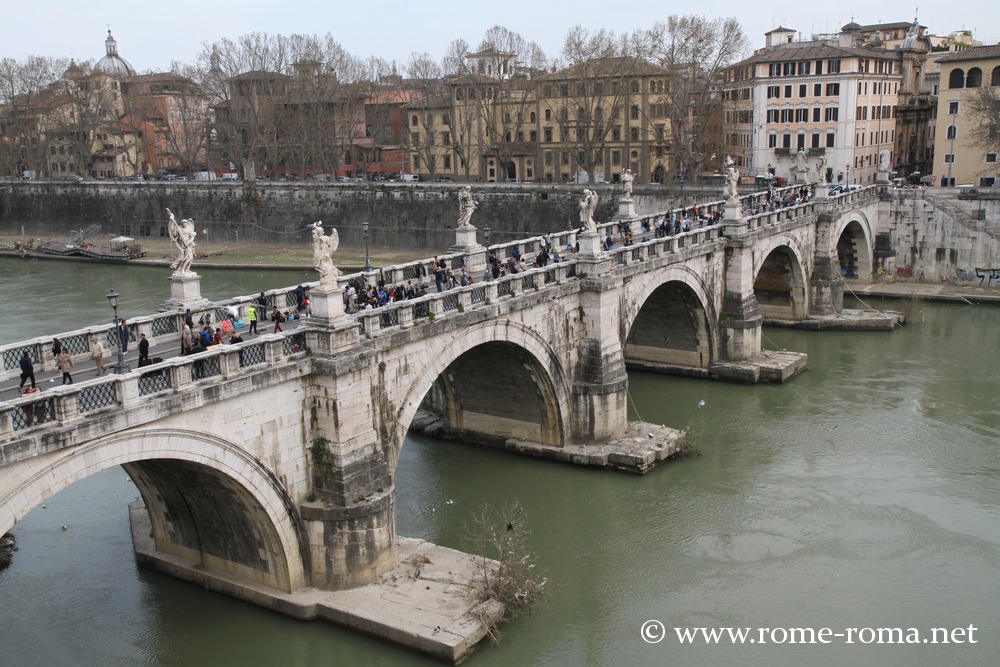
(252, 317)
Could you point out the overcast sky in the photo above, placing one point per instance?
(152, 33)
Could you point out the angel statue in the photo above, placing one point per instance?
(588, 204)
(821, 170)
(627, 179)
(323, 247)
(466, 206)
(732, 180)
(183, 236)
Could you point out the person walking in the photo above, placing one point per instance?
(27, 370)
(97, 354)
(262, 307)
(65, 363)
(56, 350)
(278, 319)
(143, 349)
(252, 319)
(123, 336)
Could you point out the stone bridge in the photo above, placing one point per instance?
(272, 462)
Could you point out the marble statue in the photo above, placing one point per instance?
(821, 170)
(323, 247)
(800, 160)
(466, 206)
(183, 235)
(627, 179)
(732, 181)
(588, 204)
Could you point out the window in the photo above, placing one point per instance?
(533, 135)
(833, 66)
(786, 140)
(788, 91)
(949, 158)
(772, 140)
(830, 139)
(414, 121)
(833, 89)
(814, 140)
(995, 77)
(817, 89)
(416, 162)
(787, 115)
(974, 79)
(772, 115)
(803, 90)
(634, 113)
(952, 108)
(548, 114)
(817, 114)
(634, 134)
(446, 138)
(805, 66)
(991, 157)
(773, 91)
(415, 136)
(447, 163)
(802, 115)
(548, 134)
(952, 132)
(616, 157)
(956, 79)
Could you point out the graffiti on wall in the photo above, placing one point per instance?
(986, 277)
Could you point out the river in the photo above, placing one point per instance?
(863, 494)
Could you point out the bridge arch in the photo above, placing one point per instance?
(466, 378)
(670, 323)
(854, 246)
(210, 502)
(780, 283)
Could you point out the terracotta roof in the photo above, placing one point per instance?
(606, 67)
(779, 29)
(973, 53)
(887, 26)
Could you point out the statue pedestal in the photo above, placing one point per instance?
(734, 224)
(327, 304)
(185, 292)
(882, 177)
(465, 237)
(822, 191)
(590, 243)
(799, 176)
(626, 209)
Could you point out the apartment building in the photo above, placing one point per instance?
(830, 98)
(958, 158)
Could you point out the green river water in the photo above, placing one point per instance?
(863, 494)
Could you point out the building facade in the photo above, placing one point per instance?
(829, 99)
(959, 157)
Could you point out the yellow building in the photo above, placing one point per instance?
(958, 158)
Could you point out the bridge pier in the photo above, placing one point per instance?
(600, 382)
(740, 320)
(826, 285)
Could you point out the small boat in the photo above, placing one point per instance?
(119, 249)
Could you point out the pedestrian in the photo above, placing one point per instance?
(252, 319)
(187, 340)
(300, 296)
(97, 354)
(123, 336)
(66, 366)
(218, 336)
(278, 319)
(189, 318)
(27, 370)
(262, 310)
(143, 348)
(56, 350)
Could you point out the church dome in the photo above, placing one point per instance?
(113, 64)
(850, 27)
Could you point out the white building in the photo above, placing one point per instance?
(830, 99)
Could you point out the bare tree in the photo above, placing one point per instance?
(694, 50)
(24, 98)
(496, 87)
(598, 98)
(983, 108)
(428, 118)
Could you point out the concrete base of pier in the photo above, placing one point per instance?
(427, 602)
(846, 320)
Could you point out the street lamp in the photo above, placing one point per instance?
(486, 234)
(364, 228)
(121, 366)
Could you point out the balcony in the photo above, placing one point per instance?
(782, 151)
(816, 151)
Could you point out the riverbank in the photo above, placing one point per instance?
(238, 255)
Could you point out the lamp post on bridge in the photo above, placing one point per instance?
(364, 228)
(121, 366)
